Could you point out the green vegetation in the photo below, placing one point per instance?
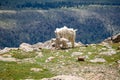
(16, 71)
(21, 54)
(61, 62)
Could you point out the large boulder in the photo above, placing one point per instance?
(116, 38)
(26, 47)
(38, 46)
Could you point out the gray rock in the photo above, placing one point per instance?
(98, 60)
(113, 39)
(26, 47)
(118, 61)
(39, 55)
(110, 52)
(36, 69)
(49, 59)
(6, 49)
(89, 53)
(116, 38)
(64, 77)
(37, 46)
(47, 45)
(79, 44)
(8, 59)
(76, 54)
(27, 60)
(106, 45)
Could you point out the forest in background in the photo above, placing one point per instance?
(48, 4)
(94, 21)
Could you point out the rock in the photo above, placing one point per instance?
(50, 59)
(98, 60)
(64, 77)
(118, 61)
(113, 39)
(81, 58)
(28, 60)
(47, 44)
(7, 55)
(118, 48)
(105, 44)
(6, 49)
(103, 49)
(36, 69)
(53, 44)
(108, 40)
(9, 59)
(38, 46)
(79, 44)
(89, 53)
(39, 55)
(110, 52)
(116, 38)
(26, 47)
(92, 44)
(76, 54)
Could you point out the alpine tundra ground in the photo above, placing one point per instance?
(101, 62)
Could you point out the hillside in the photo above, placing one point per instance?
(51, 4)
(30, 51)
(98, 62)
(94, 23)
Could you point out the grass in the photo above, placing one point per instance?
(21, 54)
(15, 71)
(60, 64)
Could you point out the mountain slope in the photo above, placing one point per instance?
(94, 24)
(48, 4)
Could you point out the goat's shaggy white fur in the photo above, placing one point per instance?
(67, 33)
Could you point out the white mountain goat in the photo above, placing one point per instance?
(67, 33)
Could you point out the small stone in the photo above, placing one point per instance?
(7, 55)
(81, 58)
(26, 60)
(50, 59)
(103, 49)
(39, 55)
(118, 61)
(76, 54)
(89, 53)
(98, 60)
(36, 69)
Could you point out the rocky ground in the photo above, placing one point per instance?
(41, 61)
